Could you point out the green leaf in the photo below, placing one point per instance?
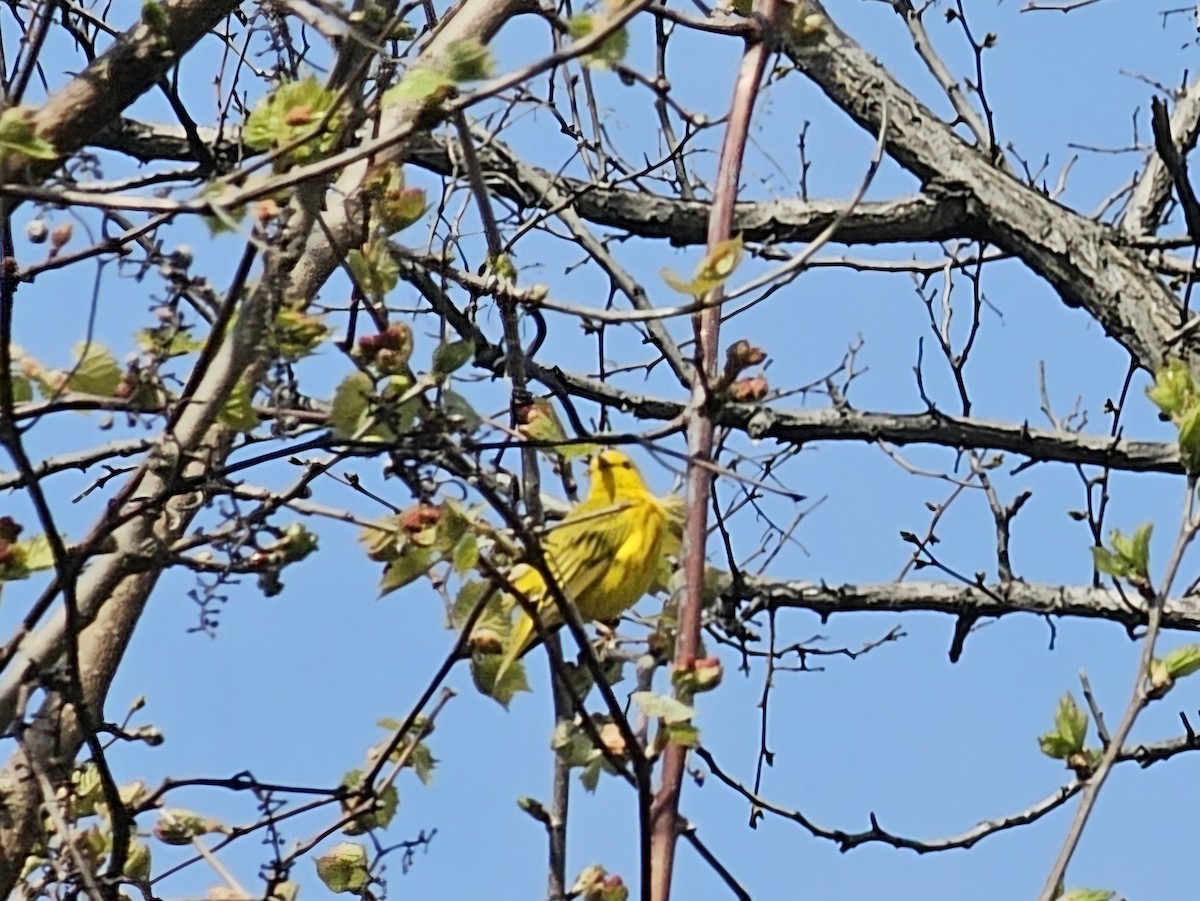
(22, 389)
(137, 861)
(37, 552)
(581, 25)
(590, 777)
(1189, 441)
(298, 334)
(714, 270)
(344, 868)
(1087, 894)
(1174, 390)
(177, 826)
(1161, 680)
(376, 271)
(1109, 564)
(1054, 745)
(572, 744)
(238, 412)
(612, 49)
(1137, 551)
(466, 554)
(725, 257)
(483, 670)
(458, 408)
(1071, 722)
(468, 60)
(1183, 661)
(502, 266)
(17, 136)
(87, 789)
(394, 206)
(380, 817)
(422, 761)
(664, 707)
(684, 733)
(291, 112)
(420, 84)
(167, 341)
(351, 401)
(406, 568)
(96, 372)
(1129, 557)
(448, 358)
(468, 596)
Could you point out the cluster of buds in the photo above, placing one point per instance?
(36, 231)
(597, 884)
(704, 674)
(740, 356)
(388, 351)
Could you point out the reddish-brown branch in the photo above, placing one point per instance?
(665, 809)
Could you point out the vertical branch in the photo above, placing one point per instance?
(515, 369)
(665, 809)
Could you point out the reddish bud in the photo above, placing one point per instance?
(60, 236)
(299, 115)
(420, 517)
(9, 528)
(749, 389)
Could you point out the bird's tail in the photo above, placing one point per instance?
(518, 642)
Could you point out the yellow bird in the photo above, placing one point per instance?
(603, 555)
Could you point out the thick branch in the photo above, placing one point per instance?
(91, 101)
(920, 218)
(1080, 258)
(994, 600)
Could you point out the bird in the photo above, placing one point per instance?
(604, 555)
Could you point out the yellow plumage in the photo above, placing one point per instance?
(604, 554)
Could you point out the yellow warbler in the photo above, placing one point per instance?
(603, 555)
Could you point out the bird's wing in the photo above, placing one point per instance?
(583, 546)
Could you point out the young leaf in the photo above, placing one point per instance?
(664, 707)
(1183, 661)
(450, 357)
(484, 668)
(1087, 894)
(406, 568)
(468, 60)
(238, 412)
(420, 84)
(17, 136)
(298, 334)
(37, 553)
(458, 408)
(291, 112)
(713, 271)
(96, 372)
(1071, 722)
(1174, 390)
(344, 868)
(350, 403)
(378, 817)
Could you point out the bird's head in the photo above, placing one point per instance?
(614, 475)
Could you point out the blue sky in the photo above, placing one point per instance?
(291, 687)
